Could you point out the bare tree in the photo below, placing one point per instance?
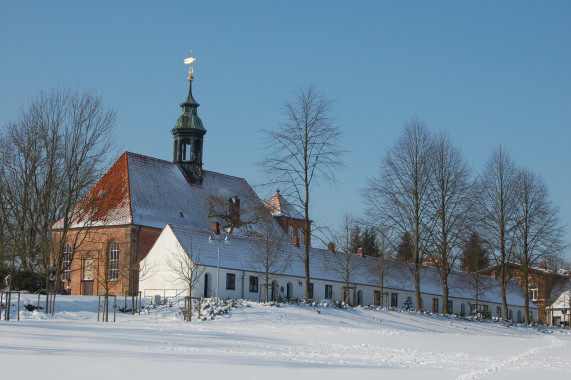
(186, 268)
(384, 264)
(451, 202)
(238, 211)
(341, 261)
(473, 259)
(398, 198)
(539, 228)
(50, 157)
(270, 255)
(498, 220)
(303, 150)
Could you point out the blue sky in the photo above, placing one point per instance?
(488, 72)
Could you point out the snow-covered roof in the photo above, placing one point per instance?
(236, 252)
(561, 294)
(279, 206)
(152, 192)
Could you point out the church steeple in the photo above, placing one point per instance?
(188, 135)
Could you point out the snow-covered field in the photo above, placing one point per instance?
(287, 342)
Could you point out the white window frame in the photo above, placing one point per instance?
(66, 263)
(533, 292)
(114, 252)
(329, 291)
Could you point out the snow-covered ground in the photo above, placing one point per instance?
(287, 342)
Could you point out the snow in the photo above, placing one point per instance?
(237, 251)
(280, 342)
(160, 194)
(279, 206)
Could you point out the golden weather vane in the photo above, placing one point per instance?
(188, 61)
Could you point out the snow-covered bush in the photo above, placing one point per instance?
(407, 305)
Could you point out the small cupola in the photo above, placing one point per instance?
(188, 134)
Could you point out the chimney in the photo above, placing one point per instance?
(554, 267)
(360, 251)
(295, 241)
(331, 247)
(494, 273)
(543, 265)
(234, 205)
(216, 228)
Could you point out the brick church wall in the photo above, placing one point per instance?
(94, 246)
(297, 224)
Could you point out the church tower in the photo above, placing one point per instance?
(188, 135)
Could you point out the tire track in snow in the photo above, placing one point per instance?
(512, 362)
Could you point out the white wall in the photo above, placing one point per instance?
(164, 283)
(298, 291)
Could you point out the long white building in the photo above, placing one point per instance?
(228, 263)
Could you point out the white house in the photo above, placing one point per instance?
(228, 272)
(560, 309)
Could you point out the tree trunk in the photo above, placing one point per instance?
(504, 276)
(477, 289)
(526, 294)
(445, 297)
(417, 289)
(267, 285)
(382, 290)
(306, 242)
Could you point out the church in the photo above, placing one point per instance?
(146, 194)
(155, 208)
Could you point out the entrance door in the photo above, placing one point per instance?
(206, 285)
(87, 288)
(87, 276)
(274, 291)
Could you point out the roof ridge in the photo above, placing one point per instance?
(280, 202)
(128, 186)
(138, 155)
(225, 175)
(245, 237)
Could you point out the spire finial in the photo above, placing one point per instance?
(278, 191)
(188, 61)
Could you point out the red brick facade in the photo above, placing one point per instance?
(541, 279)
(90, 273)
(297, 225)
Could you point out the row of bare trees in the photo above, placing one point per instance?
(425, 190)
(50, 157)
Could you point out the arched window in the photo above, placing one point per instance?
(114, 262)
(290, 231)
(301, 236)
(66, 263)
